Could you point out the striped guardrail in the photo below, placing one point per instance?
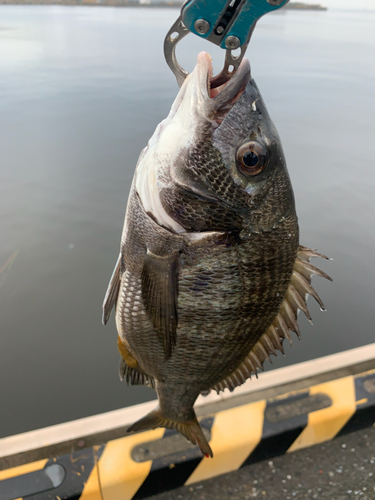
(240, 433)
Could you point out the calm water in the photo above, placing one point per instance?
(81, 91)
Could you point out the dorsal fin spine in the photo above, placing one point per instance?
(285, 321)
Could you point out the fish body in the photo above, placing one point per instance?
(210, 274)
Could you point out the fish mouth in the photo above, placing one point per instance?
(221, 99)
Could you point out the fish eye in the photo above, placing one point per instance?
(251, 158)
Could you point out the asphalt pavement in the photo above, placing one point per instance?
(341, 469)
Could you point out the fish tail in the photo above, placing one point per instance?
(190, 428)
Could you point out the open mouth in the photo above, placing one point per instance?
(212, 103)
(212, 92)
(233, 88)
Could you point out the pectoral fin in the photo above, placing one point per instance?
(160, 293)
(110, 298)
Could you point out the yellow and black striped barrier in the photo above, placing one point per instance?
(141, 465)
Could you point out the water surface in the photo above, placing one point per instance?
(81, 91)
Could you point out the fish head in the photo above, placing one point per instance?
(217, 159)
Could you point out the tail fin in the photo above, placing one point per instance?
(190, 429)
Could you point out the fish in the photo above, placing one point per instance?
(210, 275)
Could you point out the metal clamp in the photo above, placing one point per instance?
(177, 32)
(226, 23)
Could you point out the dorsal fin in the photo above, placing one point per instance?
(285, 321)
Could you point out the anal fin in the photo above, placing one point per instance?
(160, 294)
(129, 368)
(125, 354)
(285, 321)
(135, 376)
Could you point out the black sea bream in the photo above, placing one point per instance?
(210, 275)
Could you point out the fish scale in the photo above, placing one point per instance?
(210, 275)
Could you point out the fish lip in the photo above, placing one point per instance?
(229, 93)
